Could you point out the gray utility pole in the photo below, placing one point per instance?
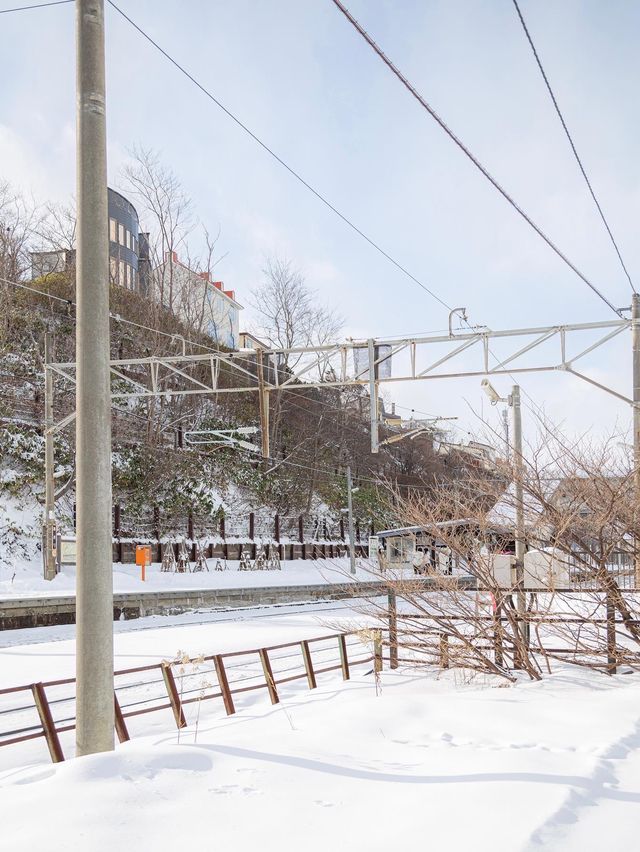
(505, 427)
(352, 546)
(373, 396)
(635, 332)
(94, 589)
(49, 526)
(519, 494)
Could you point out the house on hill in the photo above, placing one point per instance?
(200, 303)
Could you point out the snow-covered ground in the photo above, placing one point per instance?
(427, 764)
(433, 761)
(27, 581)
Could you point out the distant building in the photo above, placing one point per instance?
(200, 303)
(246, 340)
(129, 264)
(52, 262)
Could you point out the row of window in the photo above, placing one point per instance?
(123, 274)
(121, 235)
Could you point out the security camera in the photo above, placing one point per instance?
(491, 392)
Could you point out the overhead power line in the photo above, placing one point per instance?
(279, 159)
(365, 35)
(571, 142)
(298, 177)
(36, 6)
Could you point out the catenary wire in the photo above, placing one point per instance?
(279, 159)
(375, 47)
(571, 142)
(36, 6)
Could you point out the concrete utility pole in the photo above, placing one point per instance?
(49, 526)
(373, 396)
(519, 495)
(635, 333)
(94, 590)
(352, 546)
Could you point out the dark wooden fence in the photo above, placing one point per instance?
(228, 536)
(42, 712)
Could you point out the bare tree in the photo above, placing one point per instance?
(582, 608)
(289, 315)
(166, 208)
(18, 222)
(288, 311)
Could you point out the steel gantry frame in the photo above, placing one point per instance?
(260, 370)
(364, 363)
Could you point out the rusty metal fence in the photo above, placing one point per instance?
(44, 710)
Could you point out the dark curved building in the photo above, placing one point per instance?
(128, 247)
(129, 264)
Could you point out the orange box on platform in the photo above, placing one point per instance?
(143, 558)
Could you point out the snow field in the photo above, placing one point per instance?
(449, 761)
(429, 762)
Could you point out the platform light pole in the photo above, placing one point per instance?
(94, 585)
(513, 400)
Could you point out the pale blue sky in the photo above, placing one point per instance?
(305, 82)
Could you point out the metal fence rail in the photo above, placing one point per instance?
(47, 709)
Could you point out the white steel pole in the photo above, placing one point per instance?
(519, 496)
(352, 546)
(94, 593)
(49, 538)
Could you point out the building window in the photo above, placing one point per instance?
(134, 244)
(133, 278)
(121, 272)
(128, 238)
(112, 230)
(113, 269)
(121, 234)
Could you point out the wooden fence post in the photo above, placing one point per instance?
(276, 528)
(252, 525)
(342, 528)
(46, 720)
(301, 529)
(393, 630)
(308, 664)
(121, 725)
(224, 685)
(344, 659)
(172, 692)
(268, 676)
(497, 637)
(444, 650)
(612, 654)
(377, 651)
